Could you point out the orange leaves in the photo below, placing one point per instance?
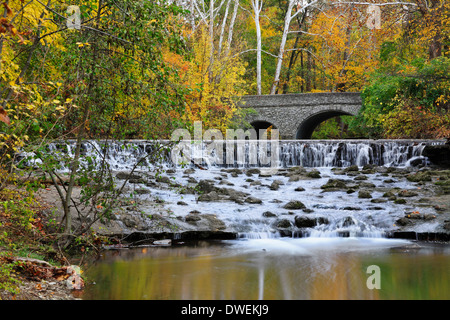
(9, 12)
(4, 117)
(41, 270)
(345, 48)
(6, 26)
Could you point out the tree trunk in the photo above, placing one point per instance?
(302, 72)
(308, 72)
(257, 6)
(222, 29)
(294, 54)
(211, 35)
(287, 23)
(75, 163)
(192, 9)
(231, 27)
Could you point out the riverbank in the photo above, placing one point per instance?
(32, 266)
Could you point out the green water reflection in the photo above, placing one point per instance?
(213, 271)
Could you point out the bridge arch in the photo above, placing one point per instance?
(307, 126)
(262, 125)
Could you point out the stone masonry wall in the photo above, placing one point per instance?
(288, 112)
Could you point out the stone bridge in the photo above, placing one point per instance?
(297, 115)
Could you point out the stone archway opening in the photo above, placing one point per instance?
(307, 127)
(262, 125)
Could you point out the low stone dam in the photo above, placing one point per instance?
(270, 189)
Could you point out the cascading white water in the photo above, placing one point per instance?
(246, 220)
(123, 155)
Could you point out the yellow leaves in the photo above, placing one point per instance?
(81, 44)
(405, 121)
(209, 84)
(345, 49)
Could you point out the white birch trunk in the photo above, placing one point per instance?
(222, 29)
(231, 26)
(257, 6)
(211, 34)
(192, 9)
(287, 23)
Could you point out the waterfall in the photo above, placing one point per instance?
(342, 220)
(125, 155)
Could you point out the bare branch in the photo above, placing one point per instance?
(374, 4)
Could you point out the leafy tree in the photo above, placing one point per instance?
(408, 96)
(212, 90)
(107, 79)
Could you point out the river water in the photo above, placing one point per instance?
(275, 269)
(269, 260)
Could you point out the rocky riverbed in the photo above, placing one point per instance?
(224, 203)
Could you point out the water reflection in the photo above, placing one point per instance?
(272, 269)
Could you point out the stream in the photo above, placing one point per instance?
(273, 269)
(310, 226)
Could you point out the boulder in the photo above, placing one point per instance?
(352, 208)
(142, 191)
(379, 200)
(407, 193)
(253, 200)
(268, 214)
(364, 194)
(252, 171)
(389, 194)
(192, 218)
(314, 174)
(283, 224)
(366, 185)
(351, 168)
(265, 174)
(127, 176)
(403, 222)
(207, 197)
(163, 179)
(205, 186)
(334, 184)
(438, 154)
(419, 176)
(295, 177)
(189, 171)
(294, 205)
(307, 222)
(213, 222)
(276, 184)
(297, 170)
